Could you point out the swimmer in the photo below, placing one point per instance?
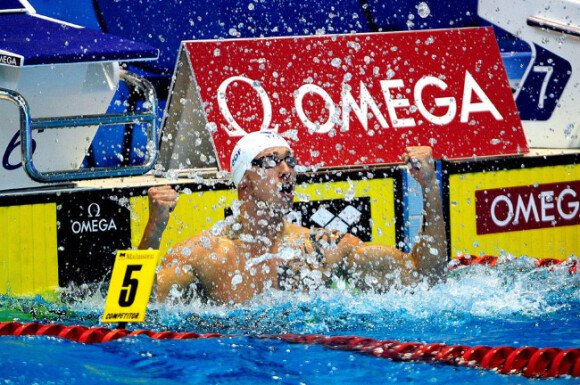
(258, 249)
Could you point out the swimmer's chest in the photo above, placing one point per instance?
(249, 270)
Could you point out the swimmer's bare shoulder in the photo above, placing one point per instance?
(199, 260)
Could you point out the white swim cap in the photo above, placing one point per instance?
(249, 147)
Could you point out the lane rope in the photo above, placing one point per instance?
(528, 361)
(491, 260)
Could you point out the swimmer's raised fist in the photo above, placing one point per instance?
(420, 162)
(162, 201)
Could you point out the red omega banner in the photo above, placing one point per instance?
(527, 207)
(361, 98)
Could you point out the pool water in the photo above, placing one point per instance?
(513, 303)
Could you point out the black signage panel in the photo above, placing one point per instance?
(10, 60)
(91, 228)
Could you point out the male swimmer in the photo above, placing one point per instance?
(258, 249)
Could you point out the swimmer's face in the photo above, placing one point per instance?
(272, 177)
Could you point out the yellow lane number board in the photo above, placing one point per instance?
(130, 286)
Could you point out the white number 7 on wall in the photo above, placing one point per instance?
(548, 74)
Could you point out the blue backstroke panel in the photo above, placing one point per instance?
(37, 40)
(12, 6)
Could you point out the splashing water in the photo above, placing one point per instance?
(513, 303)
(512, 291)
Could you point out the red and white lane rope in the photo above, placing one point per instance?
(490, 260)
(527, 361)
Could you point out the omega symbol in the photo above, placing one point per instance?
(94, 210)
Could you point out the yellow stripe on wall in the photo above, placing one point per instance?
(199, 211)
(29, 261)
(554, 242)
(195, 212)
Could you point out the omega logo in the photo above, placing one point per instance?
(527, 207)
(546, 201)
(341, 116)
(94, 208)
(93, 225)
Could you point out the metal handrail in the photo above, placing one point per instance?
(27, 125)
(554, 25)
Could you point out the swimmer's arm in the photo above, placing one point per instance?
(366, 266)
(428, 259)
(162, 201)
(378, 266)
(181, 268)
(194, 265)
(173, 273)
(430, 253)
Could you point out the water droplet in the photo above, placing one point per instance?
(568, 130)
(237, 279)
(423, 9)
(302, 197)
(211, 127)
(350, 193)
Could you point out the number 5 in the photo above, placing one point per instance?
(125, 299)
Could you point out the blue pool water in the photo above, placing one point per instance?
(511, 304)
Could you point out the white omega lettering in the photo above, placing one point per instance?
(103, 225)
(76, 227)
(93, 226)
(86, 226)
(526, 211)
(8, 60)
(439, 102)
(544, 208)
(504, 222)
(366, 101)
(573, 205)
(236, 130)
(329, 104)
(386, 86)
(546, 203)
(470, 86)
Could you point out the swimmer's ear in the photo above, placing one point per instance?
(243, 190)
